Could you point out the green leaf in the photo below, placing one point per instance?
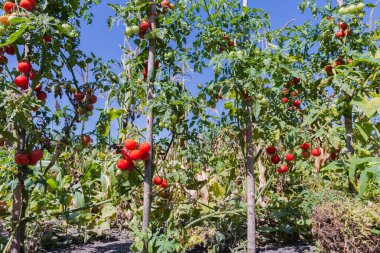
(364, 130)
(79, 199)
(104, 182)
(368, 106)
(14, 36)
(109, 210)
(195, 184)
(354, 163)
(217, 189)
(114, 114)
(52, 183)
(365, 176)
(363, 183)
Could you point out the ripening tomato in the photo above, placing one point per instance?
(340, 34)
(26, 5)
(282, 169)
(144, 26)
(35, 156)
(24, 67)
(343, 25)
(9, 7)
(305, 146)
(164, 184)
(93, 99)
(135, 155)
(275, 159)
(289, 157)
(86, 139)
(271, 150)
(124, 164)
(130, 144)
(3, 60)
(333, 156)
(144, 147)
(328, 69)
(305, 154)
(10, 49)
(21, 81)
(157, 180)
(79, 96)
(165, 4)
(316, 152)
(41, 95)
(22, 158)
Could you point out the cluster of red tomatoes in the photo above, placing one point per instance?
(344, 31)
(160, 182)
(275, 158)
(28, 5)
(131, 154)
(230, 42)
(293, 88)
(86, 100)
(24, 158)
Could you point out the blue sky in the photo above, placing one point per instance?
(97, 38)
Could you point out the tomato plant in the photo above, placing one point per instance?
(216, 127)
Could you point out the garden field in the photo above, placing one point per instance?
(190, 126)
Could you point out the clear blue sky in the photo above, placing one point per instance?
(97, 38)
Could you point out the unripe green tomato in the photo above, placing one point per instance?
(68, 28)
(343, 10)
(240, 54)
(361, 15)
(135, 29)
(161, 124)
(364, 152)
(200, 86)
(174, 118)
(170, 54)
(264, 101)
(259, 96)
(129, 31)
(115, 78)
(2, 29)
(360, 6)
(101, 155)
(167, 125)
(74, 34)
(352, 9)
